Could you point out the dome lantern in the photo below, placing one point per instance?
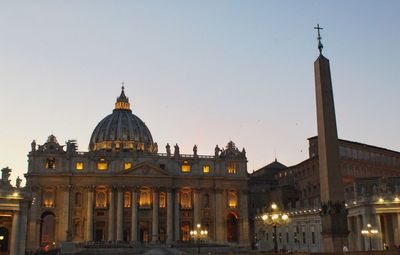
(122, 101)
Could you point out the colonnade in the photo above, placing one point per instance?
(18, 232)
(115, 233)
(387, 224)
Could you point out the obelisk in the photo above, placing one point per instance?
(333, 212)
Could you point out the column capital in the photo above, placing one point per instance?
(156, 189)
(89, 188)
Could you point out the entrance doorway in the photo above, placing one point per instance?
(185, 229)
(144, 232)
(3, 239)
(99, 231)
(47, 228)
(232, 227)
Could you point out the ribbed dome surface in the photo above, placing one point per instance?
(121, 130)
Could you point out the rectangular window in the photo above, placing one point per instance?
(232, 167)
(304, 237)
(102, 164)
(185, 168)
(313, 237)
(79, 165)
(206, 169)
(127, 165)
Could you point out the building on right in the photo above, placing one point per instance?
(336, 196)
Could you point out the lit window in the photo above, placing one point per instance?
(206, 169)
(48, 198)
(50, 163)
(101, 198)
(102, 164)
(79, 165)
(162, 200)
(185, 167)
(186, 198)
(127, 199)
(127, 165)
(232, 199)
(231, 167)
(145, 198)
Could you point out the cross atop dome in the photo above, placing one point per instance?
(122, 101)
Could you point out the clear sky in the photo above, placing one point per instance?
(197, 72)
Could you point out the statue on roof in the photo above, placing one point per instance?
(176, 151)
(18, 182)
(5, 175)
(155, 148)
(33, 146)
(195, 150)
(168, 149)
(217, 150)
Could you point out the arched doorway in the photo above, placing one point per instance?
(232, 226)
(47, 228)
(3, 239)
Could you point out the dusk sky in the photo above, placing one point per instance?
(197, 72)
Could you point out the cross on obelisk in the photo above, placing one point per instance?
(320, 46)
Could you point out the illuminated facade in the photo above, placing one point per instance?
(124, 191)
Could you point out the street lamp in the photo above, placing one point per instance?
(369, 232)
(274, 217)
(198, 234)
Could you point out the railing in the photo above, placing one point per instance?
(186, 155)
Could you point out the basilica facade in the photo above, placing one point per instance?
(124, 191)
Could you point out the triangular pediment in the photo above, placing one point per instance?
(145, 168)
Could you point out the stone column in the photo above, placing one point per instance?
(396, 227)
(197, 212)
(154, 225)
(89, 216)
(378, 240)
(176, 216)
(120, 215)
(64, 226)
(244, 218)
(15, 234)
(360, 239)
(170, 216)
(23, 228)
(134, 207)
(34, 220)
(219, 219)
(111, 215)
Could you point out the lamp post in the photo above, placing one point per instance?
(274, 217)
(197, 234)
(369, 232)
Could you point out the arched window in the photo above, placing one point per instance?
(232, 199)
(186, 198)
(232, 167)
(127, 199)
(162, 201)
(78, 199)
(50, 163)
(49, 198)
(101, 198)
(145, 198)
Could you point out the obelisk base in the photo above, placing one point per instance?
(334, 231)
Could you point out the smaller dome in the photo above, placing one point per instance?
(122, 130)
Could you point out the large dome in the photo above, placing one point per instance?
(122, 130)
